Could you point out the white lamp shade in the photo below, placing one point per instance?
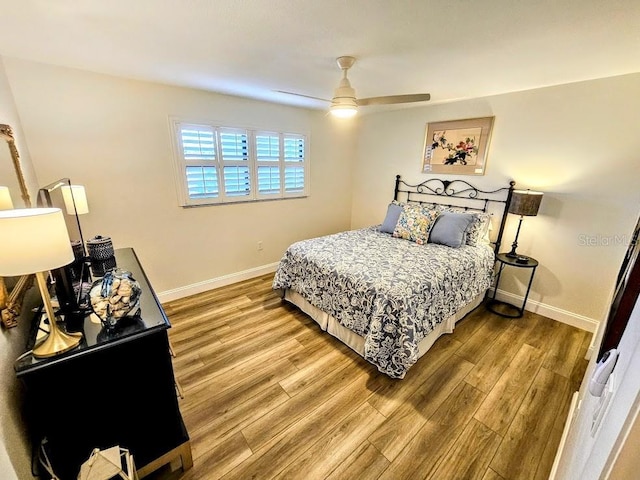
(33, 240)
(75, 194)
(5, 199)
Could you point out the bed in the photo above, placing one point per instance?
(390, 298)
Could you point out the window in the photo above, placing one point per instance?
(223, 165)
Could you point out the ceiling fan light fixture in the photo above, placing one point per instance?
(343, 107)
(343, 111)
(344, 104)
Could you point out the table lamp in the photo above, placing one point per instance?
(526, 204)
(5, 199)
(75, 199)
(35, 240)
(75, 202)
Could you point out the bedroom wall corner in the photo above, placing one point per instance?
(574, 142)
(9, 116)
(15, 451)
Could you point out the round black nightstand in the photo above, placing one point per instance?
(520, 261)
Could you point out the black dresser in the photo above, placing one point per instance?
(114, 389)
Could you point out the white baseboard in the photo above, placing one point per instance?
(554, 313)
(194, 288)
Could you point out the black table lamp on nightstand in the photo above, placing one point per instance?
(526, 204)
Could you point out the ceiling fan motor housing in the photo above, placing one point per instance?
(344, 95)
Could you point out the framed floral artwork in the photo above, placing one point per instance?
(457, 147)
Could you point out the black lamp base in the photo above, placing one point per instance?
(514, 245)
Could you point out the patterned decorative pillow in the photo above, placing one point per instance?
(415, 223)
(478, 230)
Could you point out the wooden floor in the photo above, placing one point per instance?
(269, 395)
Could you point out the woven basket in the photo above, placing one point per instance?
(100, 248)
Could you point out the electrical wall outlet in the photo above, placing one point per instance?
(260, 245)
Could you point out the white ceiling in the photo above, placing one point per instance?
(452, 49)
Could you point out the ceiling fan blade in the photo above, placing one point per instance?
(300, 95)
(391, 99)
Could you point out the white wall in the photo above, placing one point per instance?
(15, 452)
(576, 143)
(9, 116)
(112, 135)
(15, 448)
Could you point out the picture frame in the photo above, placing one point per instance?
(457, 147)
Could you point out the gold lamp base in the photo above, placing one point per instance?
(57, 342)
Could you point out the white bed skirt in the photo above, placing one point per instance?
(329, 324)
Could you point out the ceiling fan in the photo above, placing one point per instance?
(344, 102)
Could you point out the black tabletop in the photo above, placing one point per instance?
(149, 318)
(520, 261)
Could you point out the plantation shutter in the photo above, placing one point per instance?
(198, 144)
(294, 164)
(234, 151)
(268, 163)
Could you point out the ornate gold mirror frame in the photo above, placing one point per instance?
(11, 303)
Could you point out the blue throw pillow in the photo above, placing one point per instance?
(391, 220)
(450, 229)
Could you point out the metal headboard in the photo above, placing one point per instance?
(434, 190)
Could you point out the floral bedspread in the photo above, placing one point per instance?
(390, 291)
